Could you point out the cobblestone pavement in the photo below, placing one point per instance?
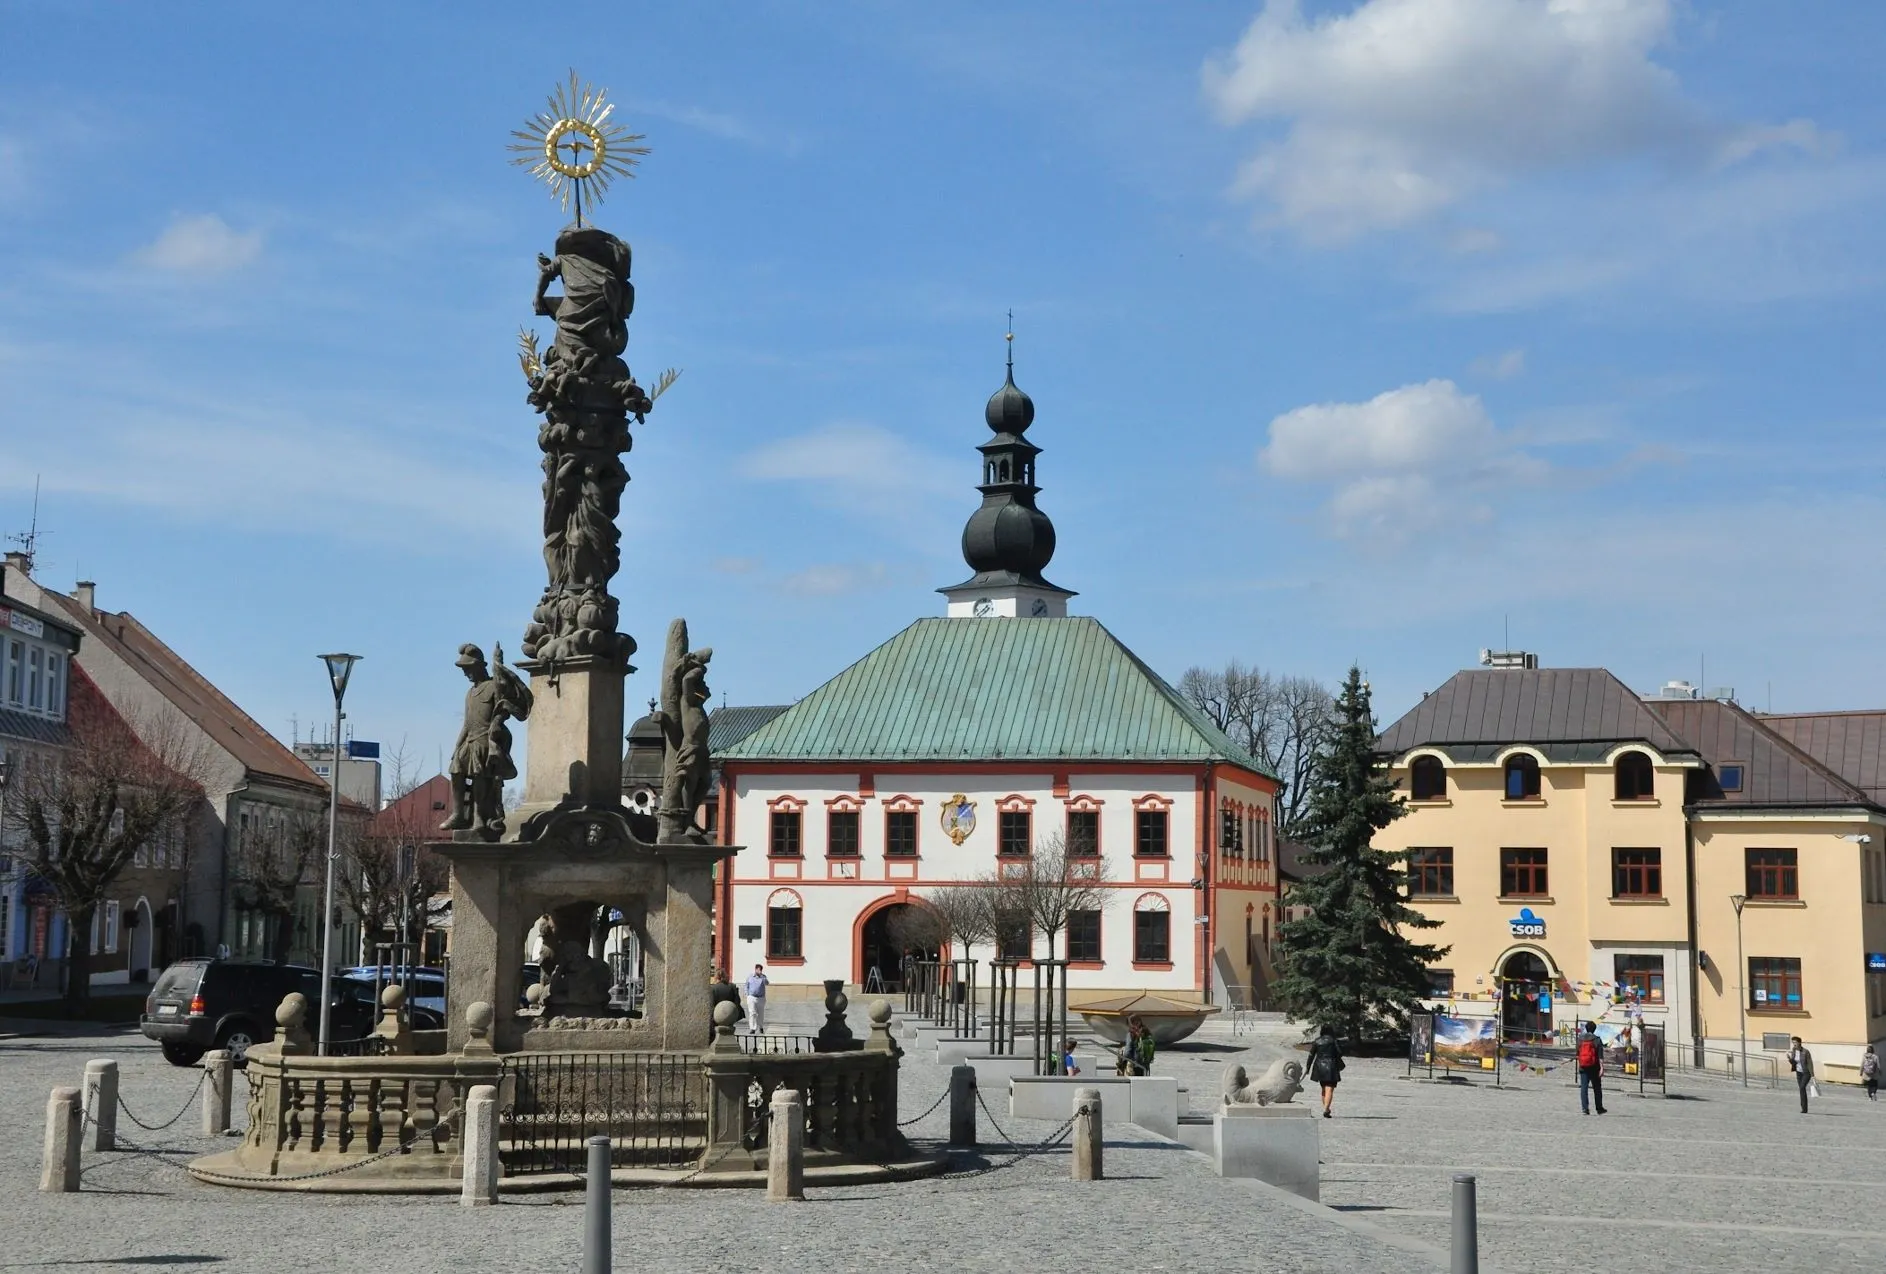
(1557, 1192)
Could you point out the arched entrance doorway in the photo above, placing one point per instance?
(142, 928)
(1526, 997)
(890, 934)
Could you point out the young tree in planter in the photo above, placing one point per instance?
(82, 811)
(1349, 961)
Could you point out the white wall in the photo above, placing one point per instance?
(835, 892)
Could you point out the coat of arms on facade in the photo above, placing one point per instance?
(959, 818)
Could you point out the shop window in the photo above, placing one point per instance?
(1522, 873)
(1774, 983)
(1632, 778)
(1083, 936)
(1522, 778)
(1427, 779)
(1637, 873)
(783, 933)
(1642, 974)
(1773, 874)
(1152, 937)
(841, 833)
(1431, 872)
(1440, 983)
(783, 838)
(900, 834)
(1149, 833)
(1083, 833)
(1015, 834)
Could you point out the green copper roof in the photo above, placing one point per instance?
(1026, 689)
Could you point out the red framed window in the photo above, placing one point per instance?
(1083, 833)
(784, 834)
(1636, 873)
(1642, 974)
(841, 833)
(1431, 872)
(1774, 874)
(1522, 873)
(1774, 984)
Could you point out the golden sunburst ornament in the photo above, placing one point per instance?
(573, 141)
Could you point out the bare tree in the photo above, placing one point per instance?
(1285, 722)
(967, 915)
(387, 875)
(273, 860)
(85, 809)
(1055, 883)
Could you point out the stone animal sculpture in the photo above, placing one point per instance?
(1281, 1083)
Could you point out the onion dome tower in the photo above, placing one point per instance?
(1008, 540)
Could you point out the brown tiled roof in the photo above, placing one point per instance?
(1490, 708)
(421, 809)
(1851, 744)
(1774, 770)
(1291, 863)
(228, 726)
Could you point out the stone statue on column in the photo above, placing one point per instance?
(481, 759)
(685, 766)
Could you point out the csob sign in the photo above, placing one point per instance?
(1527, 925)
(1876, 961)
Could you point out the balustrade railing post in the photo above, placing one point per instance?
(65, 1126)
(101, 1103)
(1088, 1164)
(785, 1147)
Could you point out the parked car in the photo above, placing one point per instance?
(425, 986)
(203, 1003)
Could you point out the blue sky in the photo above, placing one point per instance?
(1356, 331)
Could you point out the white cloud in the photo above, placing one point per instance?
(734, 565)
(1500, 366)
(201, 244)
(722, 124)
(1398, 110)
(858, 467)
(832, 579)
(1400, 461)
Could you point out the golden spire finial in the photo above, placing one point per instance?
(577, 120)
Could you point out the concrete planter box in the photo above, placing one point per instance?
(1152, 1101)
(1279, 1145)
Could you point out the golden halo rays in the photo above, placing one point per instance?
(573, 142)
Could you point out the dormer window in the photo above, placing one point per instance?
(1427, 779)
(1522, 778)
(1729, 776)
(1633, 777)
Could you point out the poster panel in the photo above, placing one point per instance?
(1421, 1039)
(1469, 1042)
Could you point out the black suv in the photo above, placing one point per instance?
(202, 1004)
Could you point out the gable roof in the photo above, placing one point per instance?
(1050, 689)
(726, 726)
(1851, 744)
(1775, 772)
(1572, 714)
(167, 672)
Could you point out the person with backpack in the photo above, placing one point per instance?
(1136, 1055)
(1326, 1064)
(1801, 1062)
(1869, 1073)
(1590, 1069)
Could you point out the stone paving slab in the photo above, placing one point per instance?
(1162, 1207)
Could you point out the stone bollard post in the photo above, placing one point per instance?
(65, 1124)
(963, 1106)
(785, 1147)
(480, 1188)
(1087, 1126)
(218, 1076)
(1466, 1246)
(101, 1103)
(598, 1241)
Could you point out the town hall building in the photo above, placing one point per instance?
(974, 740)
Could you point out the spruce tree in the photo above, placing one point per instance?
(1348, 963)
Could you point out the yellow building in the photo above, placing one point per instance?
(1588, 852)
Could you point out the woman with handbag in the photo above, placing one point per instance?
(1326, 1065)
(1802, 1063)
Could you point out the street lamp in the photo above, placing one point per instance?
(339, 669)
(1741, 979)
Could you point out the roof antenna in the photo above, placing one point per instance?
(1506, 630)
(28, 540)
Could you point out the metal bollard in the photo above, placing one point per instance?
(101, 1103)
(65, 1124)
(597, 1256)
(218, 1074)
(479, 1182)
(1087, 1126)
(1466, 1227)
(963, 1106)
(785, 1147)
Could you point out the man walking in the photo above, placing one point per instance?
(1802, 1063)
(756, 1000)
(1590, 1069)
